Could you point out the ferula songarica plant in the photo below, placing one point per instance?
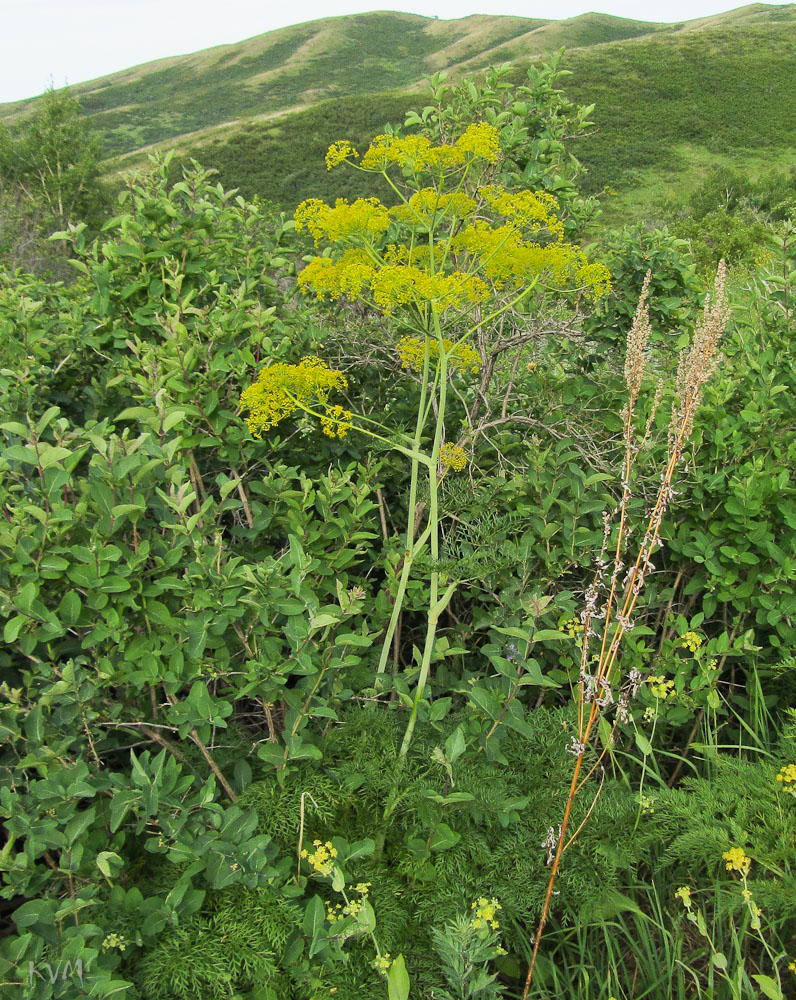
(455, 254)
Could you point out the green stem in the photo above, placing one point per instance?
(436, 606)
(399, 598)
(425, 665)
(410, 551)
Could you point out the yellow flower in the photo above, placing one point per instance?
(339, 152)
(737, 861)
(684, 893)
(787, 774)
(382, 963)
(792, 966)
(571, 626)
(485, 913)
(691, 640)
(364, 219)
(336, 422)
(412, 151)
(451, 456)
(660, 687)
(481, 141)
(322, 858)
(411, 351)
(280, 390)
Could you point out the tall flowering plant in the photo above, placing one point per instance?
(455, 254)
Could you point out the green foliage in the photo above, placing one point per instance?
(49, 176)
(191, 623)
(674, 289)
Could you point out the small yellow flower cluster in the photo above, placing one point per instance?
(114, 941)
(339, 152)
(787, 776)
(792, 966)
(571, 626)
(411, 351)
(504, 257)
(322, 858)
(413, 151)
(352, 907)
(280, 390)
(691, 640)
(391, 285)
(429, 205)
(336, 422)
(382, 963)
(485, 913)
(684, 893)
(660, 687)
(650, 715)
(397, 285)
(451, 456)
(534, 210)
(363, 219)
(737, 861)
(647, 804)
(594, 279)
(340, 912)
(481, 141)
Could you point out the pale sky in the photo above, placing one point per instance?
(72, 41)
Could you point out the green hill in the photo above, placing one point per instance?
(670, 99)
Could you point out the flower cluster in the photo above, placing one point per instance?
(684, 893)
(647, 804)
(415, 152)
(382, 963)
(338, 153)
(390, 285)
(429, 206)
(114, 941)
(480, 141)
(534, 210)
(322, 858)
(485, 913)
(360, 220)
(571, 626)
(737, 861)
(451, 456)
(411, 351)
(787, 776)
(503, 256)
(691, 640)
(660, 687)
(281, 389)
(336, 422)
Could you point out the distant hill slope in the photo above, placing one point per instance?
(670, 99)
(299, 66)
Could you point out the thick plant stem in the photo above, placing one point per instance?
(425, 665)
(411, 548)
(435, 605)
(409, 558)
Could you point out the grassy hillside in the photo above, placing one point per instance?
(671, 100)
(302, 65)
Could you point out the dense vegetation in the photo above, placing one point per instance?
(317, 581)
